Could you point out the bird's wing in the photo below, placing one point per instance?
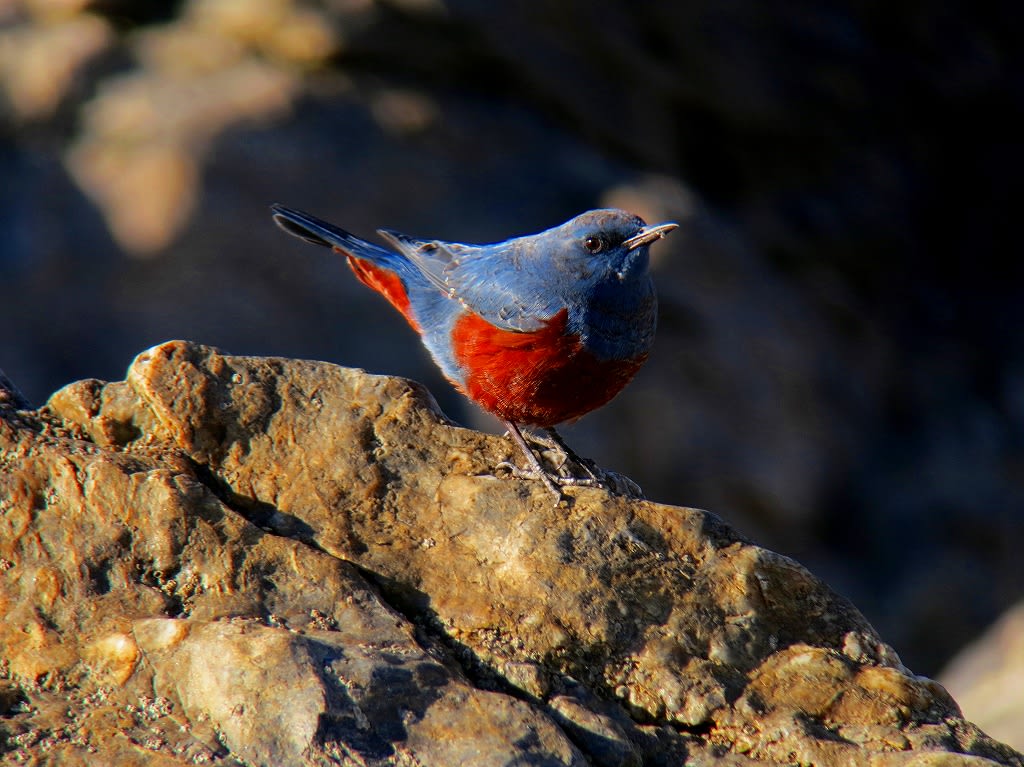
(487, 279)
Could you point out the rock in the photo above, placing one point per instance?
(987, 677)
(267, 561)
(821, 333)
(10, 396)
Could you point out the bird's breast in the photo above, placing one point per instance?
(541, 378)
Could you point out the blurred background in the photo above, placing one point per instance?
(839, 369)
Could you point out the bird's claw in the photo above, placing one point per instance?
(561, 479)
(571, 471)
(553, 482)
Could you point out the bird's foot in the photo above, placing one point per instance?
(552, 481)
(571, 471)
(616, 483)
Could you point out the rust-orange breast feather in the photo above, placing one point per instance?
(541, 378)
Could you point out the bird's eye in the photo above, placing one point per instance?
(594, 244)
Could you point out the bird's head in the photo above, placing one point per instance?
(602, 245)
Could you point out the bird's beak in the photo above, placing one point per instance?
(648, 235)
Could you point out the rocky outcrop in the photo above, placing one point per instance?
(260, 561)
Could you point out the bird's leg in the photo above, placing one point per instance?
(535, 470)
(531, 459)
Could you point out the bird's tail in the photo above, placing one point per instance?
(383, 270)
(314, 230)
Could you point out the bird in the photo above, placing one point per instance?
(537, 330)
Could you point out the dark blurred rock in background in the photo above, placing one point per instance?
(840, 363)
